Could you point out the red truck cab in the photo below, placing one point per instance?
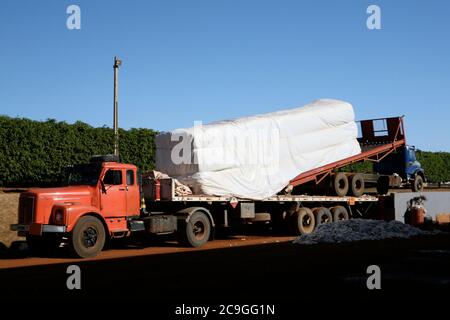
(96, 203)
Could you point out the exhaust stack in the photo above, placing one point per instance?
(117, 63)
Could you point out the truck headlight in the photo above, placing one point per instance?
(59, 216)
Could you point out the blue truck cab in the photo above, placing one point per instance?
(403, 164)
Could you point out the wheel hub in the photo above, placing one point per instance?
(306, 221)
(199, 229)
(90, 236)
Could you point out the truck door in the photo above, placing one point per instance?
(114, 195)
(411, 163)
(133, 194)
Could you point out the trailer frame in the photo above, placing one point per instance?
(375, 144)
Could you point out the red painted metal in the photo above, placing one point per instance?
(157, 189)
(375, 145)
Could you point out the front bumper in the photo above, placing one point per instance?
(37, 228)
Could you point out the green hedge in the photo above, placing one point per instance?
(363, 167)
(35, 153)
(436, 165)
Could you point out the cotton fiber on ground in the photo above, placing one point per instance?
(357, 230)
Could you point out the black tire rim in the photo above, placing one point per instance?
(324, 219)
(341, 216)
(198, 228)
(90, 237)
(306, 221)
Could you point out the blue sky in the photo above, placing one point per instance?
(208, 60)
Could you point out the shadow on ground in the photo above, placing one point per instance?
(270, 273)
(19, 249)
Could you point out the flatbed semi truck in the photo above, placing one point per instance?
(107, 199)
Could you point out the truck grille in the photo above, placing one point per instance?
(26, 209)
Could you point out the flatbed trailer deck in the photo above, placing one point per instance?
(277, 198)
(163, 191)
(295, 214)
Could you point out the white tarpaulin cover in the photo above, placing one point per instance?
(256, 157)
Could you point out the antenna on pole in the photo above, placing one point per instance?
(117, 63)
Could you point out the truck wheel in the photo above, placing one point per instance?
(340, 184)
(383, 185)
(196, 232)
(88, 237)
(323, 215)
(357, 185)
(417, 184)
(303, 221)
(339, 213)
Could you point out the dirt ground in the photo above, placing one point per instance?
(281, 273)
(9, 202)
(130, 247)
(273, 272)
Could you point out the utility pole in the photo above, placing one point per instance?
(117, 63)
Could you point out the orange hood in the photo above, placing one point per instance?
(81, 194)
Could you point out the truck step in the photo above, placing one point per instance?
(136, 225)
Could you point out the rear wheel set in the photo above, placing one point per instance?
(343, 183)
(305, 221)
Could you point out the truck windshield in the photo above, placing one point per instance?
(410, 155)
(84, 174)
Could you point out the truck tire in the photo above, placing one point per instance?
(196, 232)
(322, 215)
(417, 183)
(383, 185)
(88, 237)
(340, 184)
(357, 185)
(339, 213)
(302, 221)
